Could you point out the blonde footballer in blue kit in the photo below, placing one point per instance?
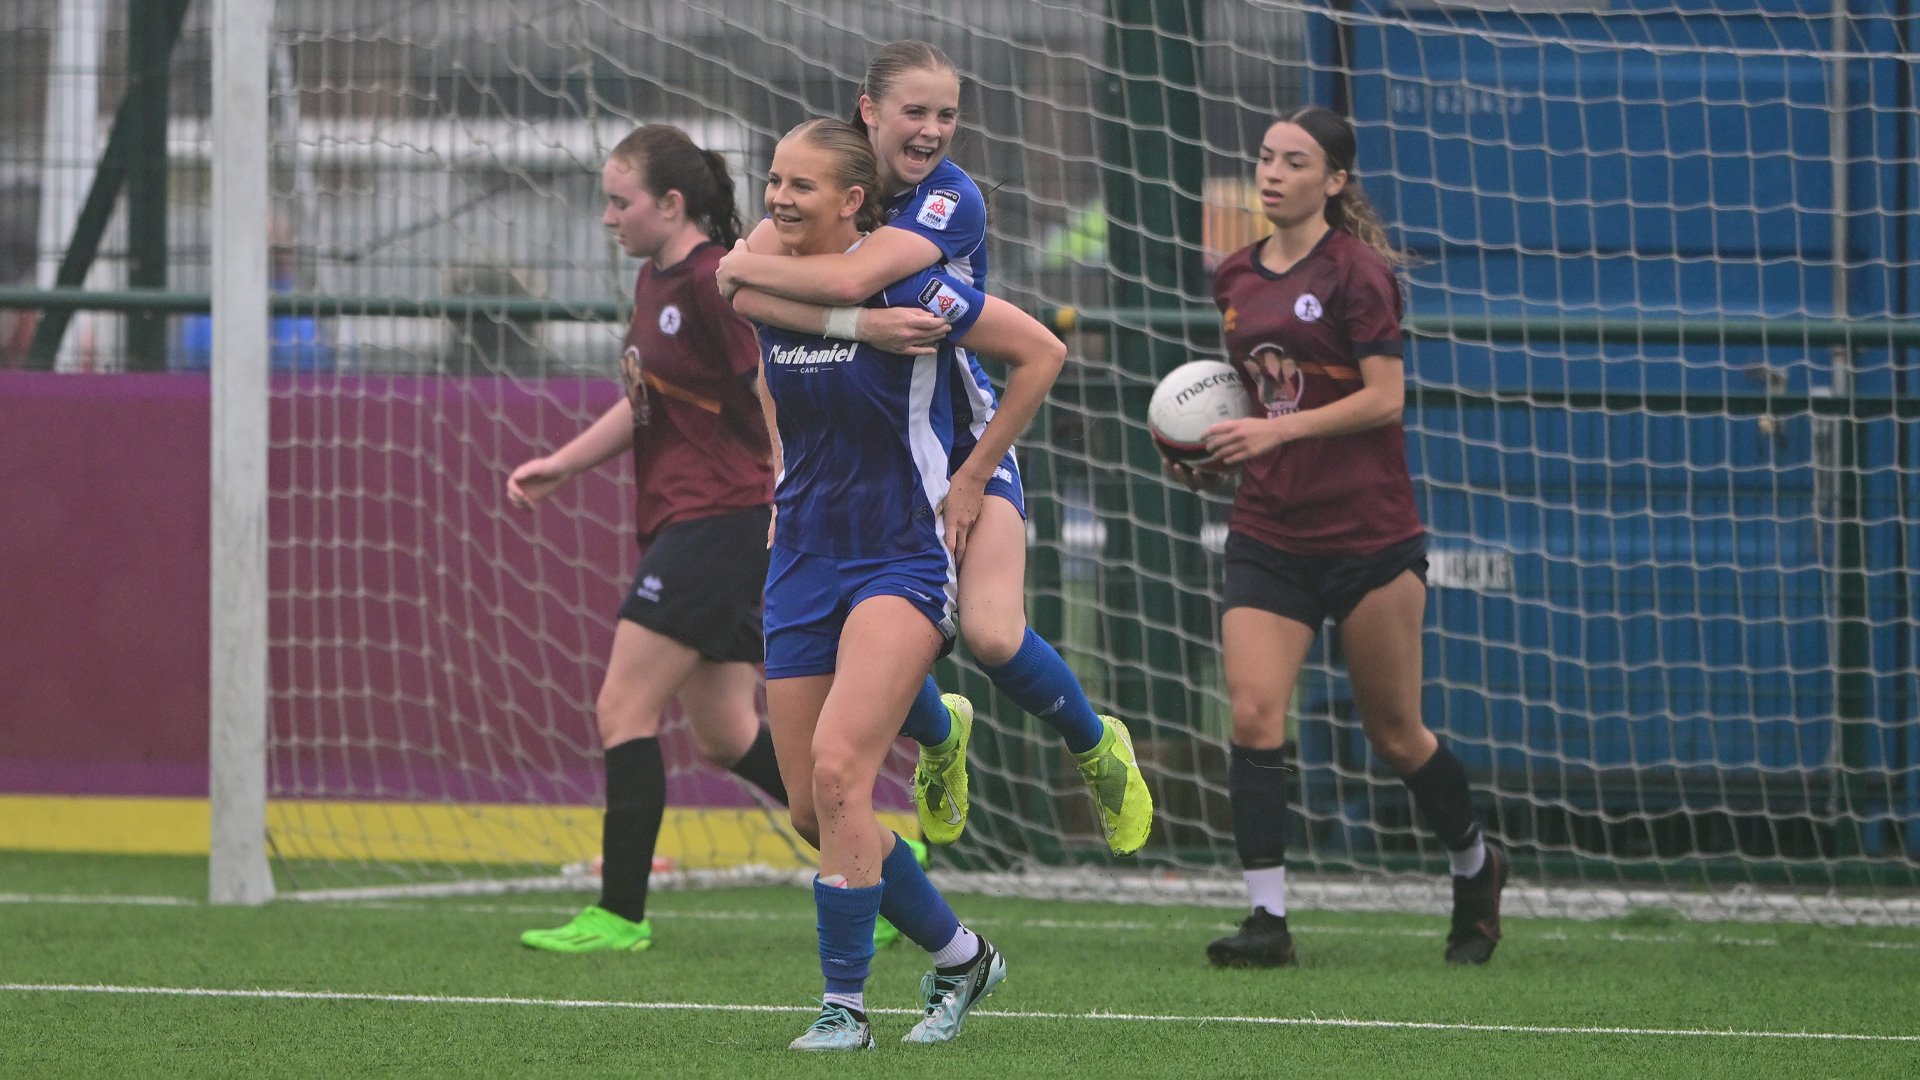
(935, 216)
(872, 520)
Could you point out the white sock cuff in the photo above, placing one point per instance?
(964, 946)
(1267, 889)
(856, 1002)
(1468, 862)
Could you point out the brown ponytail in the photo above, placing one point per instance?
(1350, 212)
(722, 222)
(667, 160)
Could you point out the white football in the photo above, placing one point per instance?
(1192, 398)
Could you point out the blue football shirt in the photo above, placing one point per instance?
(948, 209)
(866, 435)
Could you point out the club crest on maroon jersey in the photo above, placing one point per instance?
(636, 388)
(1276, 377)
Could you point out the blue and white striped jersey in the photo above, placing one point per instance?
(948, 209)
(866, 435)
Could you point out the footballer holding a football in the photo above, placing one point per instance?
(1324, 524)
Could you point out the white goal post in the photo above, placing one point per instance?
(237, 868)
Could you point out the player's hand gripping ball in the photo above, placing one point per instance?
(1192, 398)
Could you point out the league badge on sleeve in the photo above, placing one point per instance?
(938, 209)
(940, 298)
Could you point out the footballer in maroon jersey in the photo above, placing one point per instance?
(1324, 525)
(1297, 339)
(692, 365)
(694, 421)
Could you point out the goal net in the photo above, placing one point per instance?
(1659, 421)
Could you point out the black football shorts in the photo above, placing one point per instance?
(1311, 589)
(701, 582)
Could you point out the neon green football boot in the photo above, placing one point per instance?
(595, 929)
(1126, 806)
(884, 932)
(940, 777)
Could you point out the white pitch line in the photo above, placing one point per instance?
(74, 898)
(1103, 925)
(1106, 925)
(681, 1006)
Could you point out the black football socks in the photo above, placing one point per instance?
(1440, 792)
(1257, 792)
(759, 767)
(636, 802)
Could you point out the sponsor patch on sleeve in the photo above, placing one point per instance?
(938, 208)
(940, 298)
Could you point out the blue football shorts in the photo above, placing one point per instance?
(809, 597)
(1005, 481)
(1006, 484)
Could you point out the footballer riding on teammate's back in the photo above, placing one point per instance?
(909, 109)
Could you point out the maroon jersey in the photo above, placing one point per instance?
(700, 445)
(1297, 340)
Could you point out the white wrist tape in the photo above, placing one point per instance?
(843, 323)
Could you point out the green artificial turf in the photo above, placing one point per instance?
(756, 947)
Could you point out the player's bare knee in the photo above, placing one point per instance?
(1259, 724)
(614, 719)
(807, 824)
(606, 707)
(842, 787)
(721, 745)
(834, 780)
(720, 755)
(1404, 747)
(993, 642)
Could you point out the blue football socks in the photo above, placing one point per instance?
(928, 722)
(1041, 683)
(912, 903)
(845, 921)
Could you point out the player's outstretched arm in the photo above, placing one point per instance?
(607, 438)
(1379, 402)
(887, 255)
(1014, 338)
